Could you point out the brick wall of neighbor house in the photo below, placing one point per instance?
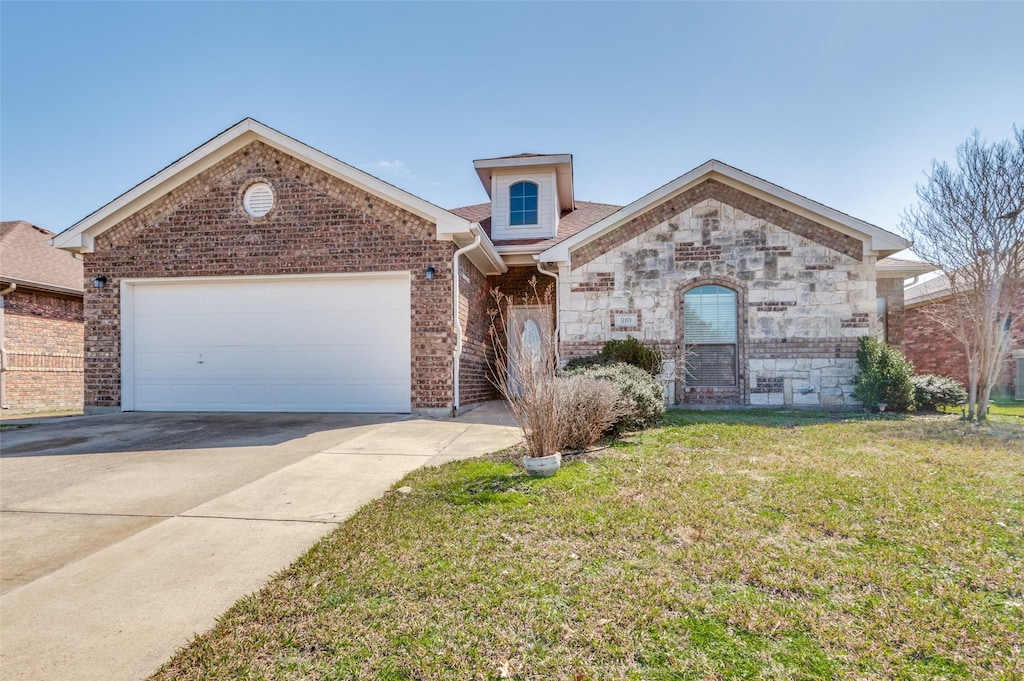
(805, 294)
(477, 354)
(43, 342)
(934, 351)
(895, 314)
(319, 225)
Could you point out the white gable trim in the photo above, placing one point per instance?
(876, 240)
(450, 227)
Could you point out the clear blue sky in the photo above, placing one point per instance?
(845, 103)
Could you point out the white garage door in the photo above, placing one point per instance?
(338, 344)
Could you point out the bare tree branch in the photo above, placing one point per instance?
(969, 222)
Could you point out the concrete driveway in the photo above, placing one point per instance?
(123, 535)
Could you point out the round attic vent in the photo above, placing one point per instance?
(258, 199)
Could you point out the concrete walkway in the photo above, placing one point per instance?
(121, 536)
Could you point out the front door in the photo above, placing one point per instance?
(529, 341)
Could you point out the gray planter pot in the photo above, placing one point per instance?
(542, 466)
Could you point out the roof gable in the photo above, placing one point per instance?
(81, 236)
(852, 236)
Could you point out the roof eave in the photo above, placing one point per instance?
(485, 257)
(41, 286)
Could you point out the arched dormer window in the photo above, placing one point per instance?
(522, 202)
(709, 336)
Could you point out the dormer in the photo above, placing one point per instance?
(528, 193)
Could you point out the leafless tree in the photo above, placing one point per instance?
(969, 223)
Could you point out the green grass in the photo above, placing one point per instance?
(738, 545)
(1006, 407)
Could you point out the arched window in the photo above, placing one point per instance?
(522, 201)
(709, 336)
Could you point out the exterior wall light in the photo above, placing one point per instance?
(430, 273)
(99, 282)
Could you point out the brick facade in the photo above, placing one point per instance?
(477, 352)
(43, 350)
(934, 351)
(319, 224)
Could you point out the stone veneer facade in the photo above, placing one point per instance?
(319, 224)
(43, 350)
(805, 295)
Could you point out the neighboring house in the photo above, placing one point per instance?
(40, 321)
(933, 350)
(259, 274)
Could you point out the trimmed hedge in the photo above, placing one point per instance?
(932, 392)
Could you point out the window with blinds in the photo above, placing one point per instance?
(709, 336)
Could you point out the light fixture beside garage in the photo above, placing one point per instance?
(430, 273)
(258, 199)
(99, 282)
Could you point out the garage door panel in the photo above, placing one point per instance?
(181, 395)
(338, 344)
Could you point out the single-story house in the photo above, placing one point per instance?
(40, 321)
(257, 273)
(933, 350)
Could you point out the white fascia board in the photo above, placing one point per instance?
(889, 269)
(516, 259)
(875, 239)
(79, 236)
(520, 161)
(485, 256)
(26, 283)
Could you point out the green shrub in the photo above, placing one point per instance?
(641, 397)
(931, 391)
(585, 362)
(883, 375)
(629, 351)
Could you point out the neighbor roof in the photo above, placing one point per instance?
(932, 289)
(27, 259)
(877, 240)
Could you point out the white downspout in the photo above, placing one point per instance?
(558, 309)
(456, 275)
(3, 348)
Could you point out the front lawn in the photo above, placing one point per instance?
(730, 545)
(1006, 407)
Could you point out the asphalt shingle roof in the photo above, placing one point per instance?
(570, 222)
(27, 257)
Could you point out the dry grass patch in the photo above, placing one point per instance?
(747, 545)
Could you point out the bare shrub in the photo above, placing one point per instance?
(525, 376)
(587, 409)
